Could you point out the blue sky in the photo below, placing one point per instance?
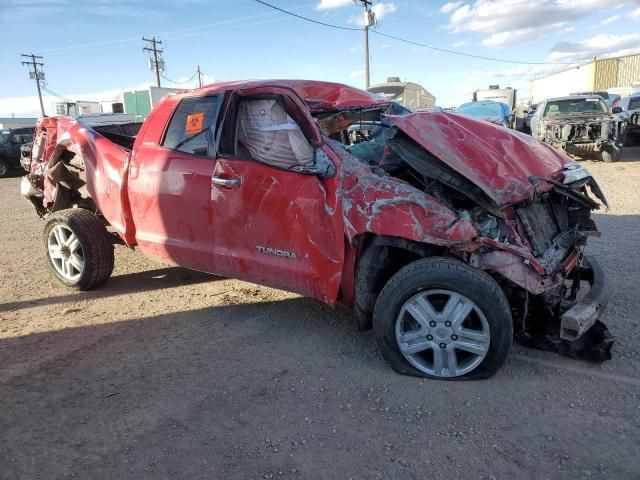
(93, 49)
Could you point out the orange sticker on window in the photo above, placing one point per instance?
(194, 123)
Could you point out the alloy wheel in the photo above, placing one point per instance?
(65, 253)
(442, 333)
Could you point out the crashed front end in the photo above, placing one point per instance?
(549, 264)
(580, 135)
(516, 208)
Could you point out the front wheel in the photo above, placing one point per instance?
(4, 169)
(78, 249)
(440, 318)
(611, 156)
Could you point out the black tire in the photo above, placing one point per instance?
(96, 245)
(455, 276)
(4, 168)
(611, 156)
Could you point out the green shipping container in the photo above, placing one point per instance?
(137, 103)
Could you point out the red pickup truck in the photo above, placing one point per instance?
(449, 236)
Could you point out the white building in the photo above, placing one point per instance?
(617, 75)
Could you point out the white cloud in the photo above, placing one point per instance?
(357, 74)
(509, 22)
(602, 45)
(380, 10)
(450, 6)
(459, 43)
(635, 14)
(521, 36)
(610, 19)
(327, 4)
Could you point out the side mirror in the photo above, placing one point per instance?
(616, 110)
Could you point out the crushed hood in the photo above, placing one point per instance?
(498, 160)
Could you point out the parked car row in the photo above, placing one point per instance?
(585, 124)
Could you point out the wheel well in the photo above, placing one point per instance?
(68, 172)
(380, 258)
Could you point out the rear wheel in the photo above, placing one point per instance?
(78, 249)
(440, 318)
(4, 168)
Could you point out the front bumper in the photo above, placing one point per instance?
(586, 148)
(584, 314)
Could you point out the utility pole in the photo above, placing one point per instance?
(199, 77)
(369, 21)
(36, 74)
(157, 62)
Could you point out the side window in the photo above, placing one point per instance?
(267, 134)
(191, 129)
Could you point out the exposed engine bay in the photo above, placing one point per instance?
(584, 135)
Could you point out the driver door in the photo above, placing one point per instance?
(274, 225)
(536, 131)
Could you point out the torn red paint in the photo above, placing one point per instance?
(498, 160)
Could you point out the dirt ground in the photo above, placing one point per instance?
(166, 373)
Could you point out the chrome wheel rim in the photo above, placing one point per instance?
(3, 169)
(442, 333)
(65, 253)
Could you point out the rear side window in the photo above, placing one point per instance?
(634, 103)
(191, 129)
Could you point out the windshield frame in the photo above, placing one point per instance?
(604, 108)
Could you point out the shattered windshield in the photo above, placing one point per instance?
(483, 109)
(4, 137)
(575, 106)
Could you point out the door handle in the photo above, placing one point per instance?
(226, 182)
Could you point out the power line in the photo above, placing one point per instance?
(411, 42)
(369, 21)
(307, 18)
(155, 51)
(182, 83)
(51, 92)
(241, 21)
(454, 52)
(36, 74)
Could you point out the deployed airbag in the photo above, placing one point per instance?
(271, 136)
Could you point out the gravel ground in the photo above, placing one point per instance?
(166, 373)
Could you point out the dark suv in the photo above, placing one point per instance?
(10, 142)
